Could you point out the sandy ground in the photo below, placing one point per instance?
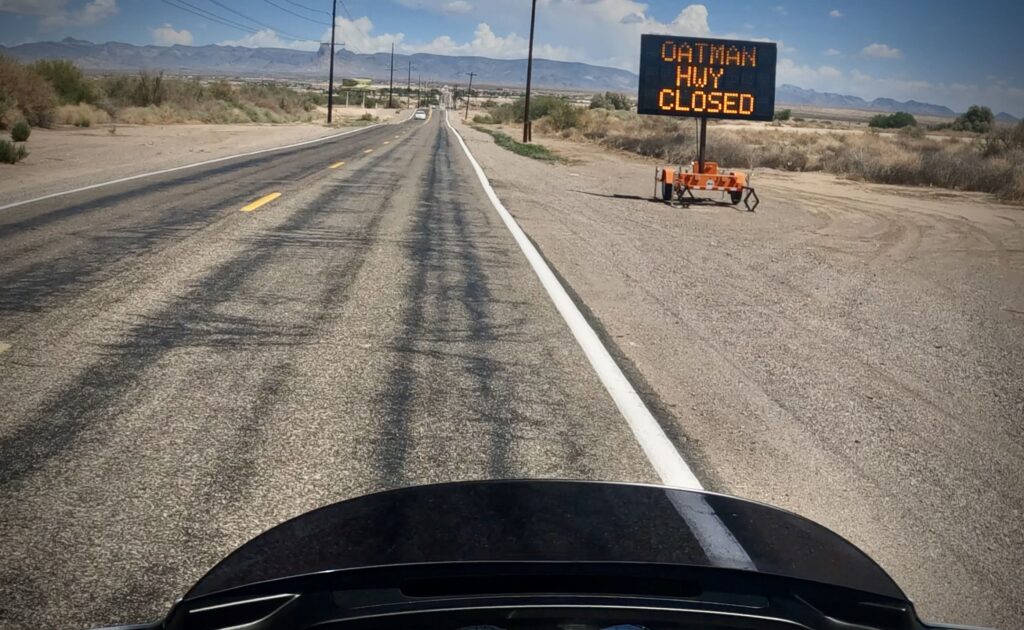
(69, 157)
(852, 352)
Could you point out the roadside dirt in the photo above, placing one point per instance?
(852, 352)
(69, 157)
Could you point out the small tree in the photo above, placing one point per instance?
(20, 131)
(617, 101)
(598, 102)
(26, 93)
(783, 114)
(67, 80)
(977, 118)
(892, 121)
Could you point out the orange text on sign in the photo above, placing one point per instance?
(710, 54)
(670, 100)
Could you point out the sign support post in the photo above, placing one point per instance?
(702, 138)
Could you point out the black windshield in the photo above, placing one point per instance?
(550, 521)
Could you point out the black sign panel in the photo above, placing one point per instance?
(710, 78)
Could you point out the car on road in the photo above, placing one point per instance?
(420, 114)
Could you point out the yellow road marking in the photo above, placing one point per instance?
(337, 165)
(262, 201)
(387, 142)
(4, 347)
(368, 151)
(398, 136)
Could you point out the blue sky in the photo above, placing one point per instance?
(941, 51)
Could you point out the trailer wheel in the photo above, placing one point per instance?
(666, 191)
(736, 196)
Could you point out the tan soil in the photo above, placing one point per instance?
(68, 157)
(853, 352)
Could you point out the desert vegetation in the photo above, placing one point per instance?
(57, 92)
(505, 141)
(897, 120)
(991, 161)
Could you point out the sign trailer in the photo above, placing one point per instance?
(703, 78)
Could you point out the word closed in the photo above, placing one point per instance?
(707, 78)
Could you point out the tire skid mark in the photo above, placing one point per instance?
(95, 397)
(449, 277)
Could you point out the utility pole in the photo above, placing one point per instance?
(469, 94)
(391, 84)
(330, 82)
(408, 88)
(527, 127)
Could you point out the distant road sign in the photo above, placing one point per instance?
(709, 78)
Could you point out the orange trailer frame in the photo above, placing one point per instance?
(703, 176)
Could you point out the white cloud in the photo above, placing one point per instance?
(605, 32)
(166, 36)
(820, 77)
(439, 6)
(781, 10)
(832, 52)
(357, 36)
(486, 43)
(33, 7)
(56, 14)
(93, 12)
(836, 13)
(457, 6)
(881, 51)
(267, 38)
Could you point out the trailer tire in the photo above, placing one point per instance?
(736, 196)
(666, 191)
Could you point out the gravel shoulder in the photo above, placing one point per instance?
(68, 157)
(853, 352)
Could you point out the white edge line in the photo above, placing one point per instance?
(187, 166)
(663, 455)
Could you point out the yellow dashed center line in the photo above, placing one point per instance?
(337, 165)
(387, 142)
(398, 136)
(368, 151)
(262, 201)
(4, 347)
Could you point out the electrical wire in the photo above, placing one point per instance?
(298, 15)
(345, 9)
(209, 16)
(308, 8)
(255, 21)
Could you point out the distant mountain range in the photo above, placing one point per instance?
(793, 95)
(283, 63)
(280, 62)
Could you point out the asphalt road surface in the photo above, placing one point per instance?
(179, 374)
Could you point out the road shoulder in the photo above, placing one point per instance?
(845, 352)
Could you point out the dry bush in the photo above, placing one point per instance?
(994, 163)
(24, 94)
(11, 152)
(82, 115)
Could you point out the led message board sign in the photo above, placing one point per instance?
(709, 78)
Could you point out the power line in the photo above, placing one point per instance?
(302, 6)
(345, 9)
(255, 21)
(298, 15)
(209, 16)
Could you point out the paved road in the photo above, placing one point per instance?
(180, 375)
